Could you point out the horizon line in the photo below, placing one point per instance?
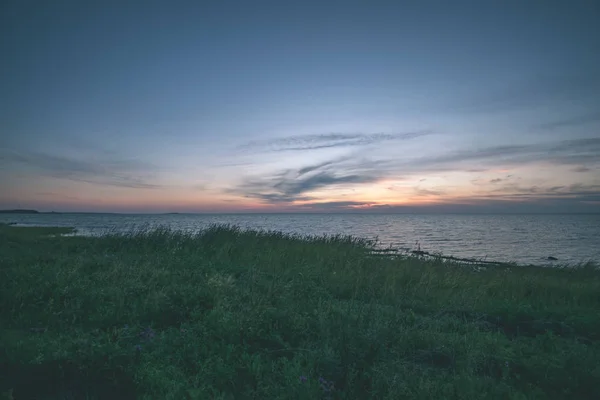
(34, 212)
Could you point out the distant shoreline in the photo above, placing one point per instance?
(26, 211)
(19, 211)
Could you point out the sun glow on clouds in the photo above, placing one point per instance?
(312, 173)
(268, 118)
(509, 184)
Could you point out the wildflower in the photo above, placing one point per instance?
(326, 386)
(303, 379)
(147, 334)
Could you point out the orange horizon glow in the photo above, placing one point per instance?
(420, 191)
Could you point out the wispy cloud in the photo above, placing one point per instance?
(429, 192)
(578, 120)
(566, 152)
(107, 171)
(291, 186)
(576, 197)
(329, 140)
(296, 185)
(535, 91)
(334, 205)
(581, 169)
(498, 204)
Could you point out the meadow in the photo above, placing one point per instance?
(235, 314)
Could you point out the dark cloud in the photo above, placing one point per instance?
(476, 170)
(573, 194)
(111, 172)
(335, 205)
(555, 188)
(301, 185)
(274, 198)
(466, 206)
(329, 140)
(508, 198)
(515, 189)
(293, 185)
(429, 192)
(581, 169)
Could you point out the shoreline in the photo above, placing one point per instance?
(381, 250)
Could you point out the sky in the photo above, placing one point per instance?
(300, 106)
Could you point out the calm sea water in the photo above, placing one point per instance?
(527, 239)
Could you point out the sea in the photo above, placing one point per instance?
(524, 239)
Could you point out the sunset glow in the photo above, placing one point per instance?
(226, 110)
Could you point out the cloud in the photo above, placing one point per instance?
(355, 168)
(475, 206)
(535, 91)
(578, 197)
(329, 140)
(581, 169)
(429, 192)
(572, 122)
(290, 186)
(335, 205)
(566, 152)
(322, 179)
(574, 193)
(476, 170)
(297, 185)
(587, 204)
(110, 172)
(311, 168)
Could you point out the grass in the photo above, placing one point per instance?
(233, 314)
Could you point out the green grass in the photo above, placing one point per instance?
(233, 314)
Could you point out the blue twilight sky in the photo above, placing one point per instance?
(211, 106)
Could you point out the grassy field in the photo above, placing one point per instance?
(232, 314)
